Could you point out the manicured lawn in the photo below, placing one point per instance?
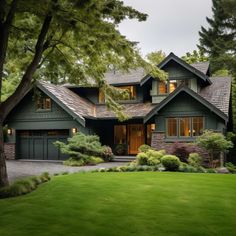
(102, 204)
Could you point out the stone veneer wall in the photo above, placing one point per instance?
(9, 149)
(158, 143)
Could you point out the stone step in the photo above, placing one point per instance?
(124, 158)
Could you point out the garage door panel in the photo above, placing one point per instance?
(24, 148)
(52, 150)
(38, 148)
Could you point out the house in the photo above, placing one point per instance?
(161, 112)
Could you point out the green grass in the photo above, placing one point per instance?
(143, 203)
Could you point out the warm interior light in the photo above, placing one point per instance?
(9, 131)
(74, 130)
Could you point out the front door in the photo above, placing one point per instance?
(135, 137)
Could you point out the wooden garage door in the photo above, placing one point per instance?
(38, 144)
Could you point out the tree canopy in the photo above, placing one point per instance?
(61, 41)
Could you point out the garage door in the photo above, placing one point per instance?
(38, 144)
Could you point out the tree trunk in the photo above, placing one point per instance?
(3, 169)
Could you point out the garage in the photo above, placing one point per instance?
(38, 144)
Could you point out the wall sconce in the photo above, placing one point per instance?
(74, 130)
(9, 131)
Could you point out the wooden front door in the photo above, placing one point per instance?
(135, 137)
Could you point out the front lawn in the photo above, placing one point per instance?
(142, 203)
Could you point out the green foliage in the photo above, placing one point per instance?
(23, 186)
(82, 162)
(231, 167)
(150, 157)
(170, 162)
(231, 155)
(144, 148)
(156, 57)
(120, 149)
(195, 159)
(107, 153)
(213, 143)
(81, 148)
(195, 56)
(142, 158)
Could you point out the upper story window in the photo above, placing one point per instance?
(166, 87)
(132, 94)
(43, 103)
(163, 87)
(184, 126)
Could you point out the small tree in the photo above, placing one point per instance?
(82, 146)
(214, 143)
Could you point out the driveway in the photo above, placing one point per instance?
(18, 169)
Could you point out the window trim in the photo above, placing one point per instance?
(168, 86)
(178, 127)
(43, 109)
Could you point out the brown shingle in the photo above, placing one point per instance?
(201, 66)
(218, 93)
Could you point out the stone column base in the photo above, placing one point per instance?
(9, 149)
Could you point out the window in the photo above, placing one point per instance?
(163, 88)
(172, 85)
(120, 134)
(197, 126)
(184, 127)
(131, 91)
(172, 127)
(101, 97)
(43, 103)
(150, 129)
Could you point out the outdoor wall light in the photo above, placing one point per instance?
(74, 130)
(9, 131)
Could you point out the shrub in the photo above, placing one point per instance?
(82, 162)
(152, 161)
(182, 150)
(170, 162)
(83, 147)
(213, 143)
(120, 149)
(107, 153)
(142, 158)
(211, 170)
(231, 167)
(144, 148)
(73, 162)
(195, 159)
(23, 186)
(95, 160)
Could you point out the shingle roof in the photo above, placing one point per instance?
(218, 93)
(134, 76)
(201, 66)
(135, 110)
(85, 109)
(78, 105)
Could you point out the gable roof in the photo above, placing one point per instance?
(190, 92)
(76, 106)
(173, 57)
(202, 66)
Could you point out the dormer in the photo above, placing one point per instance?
(193, 76)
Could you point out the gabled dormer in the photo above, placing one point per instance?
(179, 73)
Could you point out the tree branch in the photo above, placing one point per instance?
(4, 34)
(25, 83)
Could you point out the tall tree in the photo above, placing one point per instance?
(195, 56)
(62, 41)
(155, 57)
(219, 40)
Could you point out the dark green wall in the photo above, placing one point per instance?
(25, 117)
(185, 105)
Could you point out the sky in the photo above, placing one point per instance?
(172, 25)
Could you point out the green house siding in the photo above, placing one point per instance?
(26, 117)
(185, 105)
(175, 72)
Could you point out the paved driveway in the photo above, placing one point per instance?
(18, 169)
